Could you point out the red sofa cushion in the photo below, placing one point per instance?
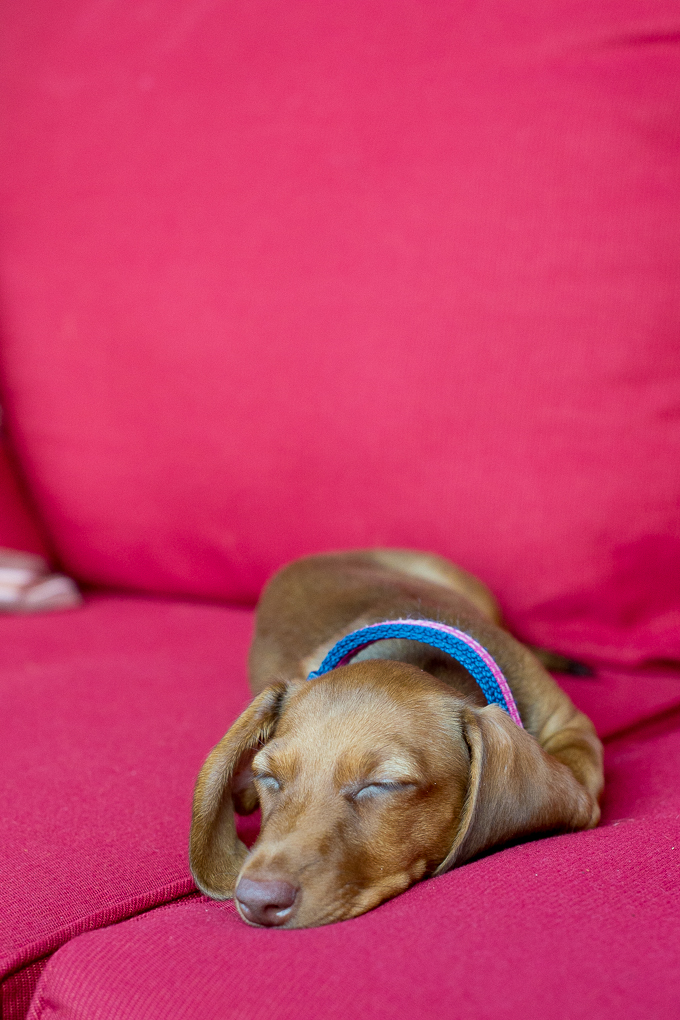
(580, 927)
(108, 713)
(289, 277)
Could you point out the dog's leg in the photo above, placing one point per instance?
(556, 663)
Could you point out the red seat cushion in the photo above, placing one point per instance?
(108, 713)
(580, 927)
(290, 277)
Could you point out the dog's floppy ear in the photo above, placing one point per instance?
(216, 854)
(514, 789)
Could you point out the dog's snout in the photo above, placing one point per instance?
(266, 902)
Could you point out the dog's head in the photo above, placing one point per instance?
(369, 779)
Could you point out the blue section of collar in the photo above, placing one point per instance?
(458, 645)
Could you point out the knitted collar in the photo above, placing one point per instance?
(461, 647)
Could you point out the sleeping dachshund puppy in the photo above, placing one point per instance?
(404, 757)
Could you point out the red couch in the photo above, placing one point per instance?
(280, 277)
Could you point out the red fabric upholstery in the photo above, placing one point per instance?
(18, 529)
(282, 277)
(108, 713)
(580, 927)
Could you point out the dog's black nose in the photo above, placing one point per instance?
(267, 903)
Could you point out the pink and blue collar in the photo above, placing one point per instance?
(461, 647)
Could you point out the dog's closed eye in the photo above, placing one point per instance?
(371, 790)
(395, 774)
(266, 781)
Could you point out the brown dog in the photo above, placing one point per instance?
(391, 768)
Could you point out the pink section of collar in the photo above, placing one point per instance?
(481, 652)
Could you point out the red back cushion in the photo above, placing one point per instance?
(288, 277)
(18, 528)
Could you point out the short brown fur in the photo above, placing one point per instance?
(392, 768)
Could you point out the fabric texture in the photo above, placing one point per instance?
(285, 277)
(18, 526)
(107, 715)
(578, 927)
